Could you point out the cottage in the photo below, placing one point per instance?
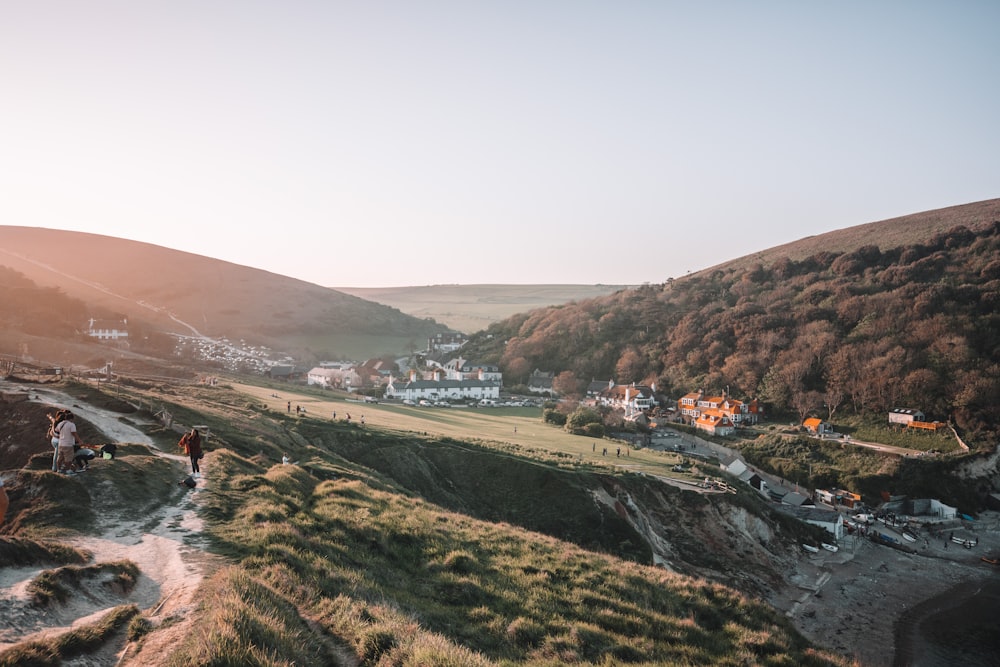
(631, 398)
(540, 382)
(715, 422)
(461, 369)
(446, 342)
(329, 375)
(905, 415)
(817, 426)
(693, 404)
(832, 522)
(113, 331)
(442, 389)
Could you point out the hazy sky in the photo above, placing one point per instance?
(422, 142)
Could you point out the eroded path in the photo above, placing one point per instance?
(166, 543)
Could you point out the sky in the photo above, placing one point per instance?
(379, 143)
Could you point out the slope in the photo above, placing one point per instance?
(334, 562)
(192, 294)
(859, 331)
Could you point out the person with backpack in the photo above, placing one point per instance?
(53, 436)
(191, 444)
(67, 438)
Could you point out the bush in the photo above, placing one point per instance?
(553, 416)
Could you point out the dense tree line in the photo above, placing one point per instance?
(41, 311)
(861, 331)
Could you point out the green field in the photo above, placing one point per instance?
(519, 427)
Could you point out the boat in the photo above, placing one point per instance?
(831, 547)
(811, 549)
(908, 536)
(990, 561)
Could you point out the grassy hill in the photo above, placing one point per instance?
(391, 547)
(183, 293)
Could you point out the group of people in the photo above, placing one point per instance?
(70, 454)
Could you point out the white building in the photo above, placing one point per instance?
(440, 389)
(334, 375)
(108, 330)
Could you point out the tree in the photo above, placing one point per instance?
(567, 384)
(631, 366)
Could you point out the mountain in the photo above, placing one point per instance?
(185, 293)
(903, 312)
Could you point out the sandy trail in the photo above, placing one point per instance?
(167, 546)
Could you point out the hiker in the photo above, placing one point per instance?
(82, 457)
(191, 444)
(54, 421)
(67, 438)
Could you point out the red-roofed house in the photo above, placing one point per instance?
(711, 420)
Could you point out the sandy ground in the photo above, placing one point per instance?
(851, 601)
(166, 546)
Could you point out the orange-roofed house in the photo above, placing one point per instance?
(712, 420)
(817, 426)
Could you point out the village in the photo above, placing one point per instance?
(436, 378)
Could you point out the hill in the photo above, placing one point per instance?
(190, 294)
(377, 547)
(885, 234)
(848, 332)
(471, 308)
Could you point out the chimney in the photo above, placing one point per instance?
(413, 375)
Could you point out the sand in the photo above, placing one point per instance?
(854, 602)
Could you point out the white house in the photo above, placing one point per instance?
(108, 330)
(540, 382)
(442, 389)
(905, 416)
(334, 375)
(631, 398)
(832, 521)
(460, 369)
(446, 342)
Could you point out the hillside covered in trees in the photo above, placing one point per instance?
(861, 331)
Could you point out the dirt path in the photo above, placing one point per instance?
(167, 546)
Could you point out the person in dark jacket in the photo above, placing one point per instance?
(191, 443)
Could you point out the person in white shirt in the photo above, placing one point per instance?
(68, 437)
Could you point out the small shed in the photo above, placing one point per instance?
(905, 416)
(817, 426)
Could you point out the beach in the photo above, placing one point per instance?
(881, 606)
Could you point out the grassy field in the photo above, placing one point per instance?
(471, 308)
(518, 427)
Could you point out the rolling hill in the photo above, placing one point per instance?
(904, 312)
(191, 294)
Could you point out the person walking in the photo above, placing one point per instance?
(191, 443)
(66, 429)
(54, 421)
